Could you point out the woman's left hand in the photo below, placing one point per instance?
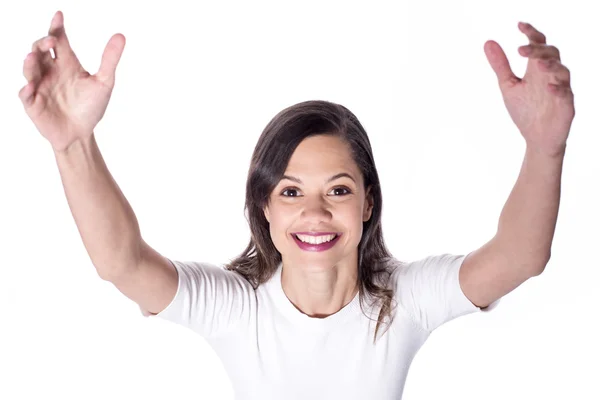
(541, 103)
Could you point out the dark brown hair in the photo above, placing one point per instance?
(259, 261)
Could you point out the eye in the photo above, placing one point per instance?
(292, 190)
(338, 191)
(342, 189)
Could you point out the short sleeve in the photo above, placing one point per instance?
(429, 290)
(210, 300)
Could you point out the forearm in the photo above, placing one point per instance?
(105, 220)
(528, 219)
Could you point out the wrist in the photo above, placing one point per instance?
(76, 146)
(554, 153)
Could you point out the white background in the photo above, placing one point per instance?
(195, 87)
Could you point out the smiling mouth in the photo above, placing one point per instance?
(316, 239)
(316, 243)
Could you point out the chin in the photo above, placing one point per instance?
(315, 260)
(314, 264)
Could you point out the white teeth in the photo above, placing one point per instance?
(315, 239)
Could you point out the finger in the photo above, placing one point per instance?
(32, 70)
(26, 94)
(558, 70)
(43, 44)
(499, 63)
(42, 49)
(533, 34)
(57, 29)
(110, 59)
(543, 51)
(560, 90)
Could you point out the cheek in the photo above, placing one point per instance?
(357, 223)
(356, 212)
(349, 218)
(284, 217)
(280, 223)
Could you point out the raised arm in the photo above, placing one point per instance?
(65, 103)
(110, 230)
(541, 105)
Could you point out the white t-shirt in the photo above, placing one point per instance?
(271, 350)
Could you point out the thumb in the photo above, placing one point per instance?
(499, 63)
(110, 59)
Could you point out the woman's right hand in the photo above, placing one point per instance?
(62, 99)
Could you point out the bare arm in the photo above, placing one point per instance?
(110, 231)
(106, 222)
(65, 102)
(522, 245)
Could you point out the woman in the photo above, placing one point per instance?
(315, 307)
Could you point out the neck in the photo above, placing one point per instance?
(320, 290)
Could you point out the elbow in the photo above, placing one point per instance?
(106, 274)
(540, 267)
(111, 273)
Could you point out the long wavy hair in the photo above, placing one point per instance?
(259, 261)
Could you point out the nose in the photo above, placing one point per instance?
(316, 209)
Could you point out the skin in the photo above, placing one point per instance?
(65, 102)
(319, 283)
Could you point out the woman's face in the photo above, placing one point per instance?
(322, 194)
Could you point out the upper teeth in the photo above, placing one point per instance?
(315, 239)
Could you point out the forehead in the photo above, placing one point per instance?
(322, 153)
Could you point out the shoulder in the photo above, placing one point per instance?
(209, 276)
(429, 290)
(405, 271)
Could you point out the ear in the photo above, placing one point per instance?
(266, 212)
(368, 208)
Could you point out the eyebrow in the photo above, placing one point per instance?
(333, 178)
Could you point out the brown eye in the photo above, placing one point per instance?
(339, 191)
(290, 190)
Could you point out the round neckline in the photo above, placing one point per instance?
(301, 319)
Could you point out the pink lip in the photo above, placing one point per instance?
(315, 233)
(316, 247)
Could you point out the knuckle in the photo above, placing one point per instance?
(38, 43)
(30, 58)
